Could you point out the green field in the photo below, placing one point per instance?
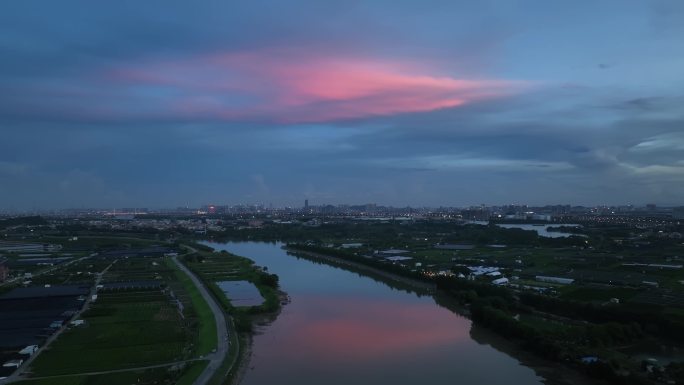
(132, 328)
(215, 267)
(206, 324)
(184, 376)
(192, 372)
(590, 294)
(212, 267)
(94, 242)
(123, 330)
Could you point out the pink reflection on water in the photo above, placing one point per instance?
(366, 329)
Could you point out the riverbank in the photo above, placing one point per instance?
(241, 363)
(260, 320)
(211, 266)
(413, 283)
(552, 372)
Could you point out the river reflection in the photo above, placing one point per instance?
(352, 328)
(341, 328)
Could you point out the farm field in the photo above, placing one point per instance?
(122, 330)
(144, 315)
(177, 375)
(224, 267)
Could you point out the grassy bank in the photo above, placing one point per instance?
(206, 324)
(212, 267)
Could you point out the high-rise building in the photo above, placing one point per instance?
(306, 204)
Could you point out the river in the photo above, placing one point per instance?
(342, 328)
(542, 230)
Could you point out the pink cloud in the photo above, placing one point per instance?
(292, 86)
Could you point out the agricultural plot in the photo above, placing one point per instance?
(142, 317)
(79, 272)
(217, 269)
(91, 242)
(128, 270)
(122, 330)
(180, 375)
(598, 293)
(199, 315)
(221, 267)
(669, 298)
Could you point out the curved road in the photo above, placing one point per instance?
(215, 359)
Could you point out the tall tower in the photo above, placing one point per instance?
(306, 204)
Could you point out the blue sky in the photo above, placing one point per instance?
(168, 103)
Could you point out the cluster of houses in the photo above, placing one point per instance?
(199, 226)
(495, 275)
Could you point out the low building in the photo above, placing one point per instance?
(13, 363)
(500, 281)
(654, 265)
(481, 270)
(29, 350)
(351, 245)
(393, 251)
(560, 280)
(398, 258)
(589, 359)
(449, 246)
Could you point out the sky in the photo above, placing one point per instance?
(422, 103)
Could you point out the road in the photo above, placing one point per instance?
(16, 376)
(39, 273)
(215, 359)
(164, 365)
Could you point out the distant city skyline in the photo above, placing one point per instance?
(211, 208)
(452, 103)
